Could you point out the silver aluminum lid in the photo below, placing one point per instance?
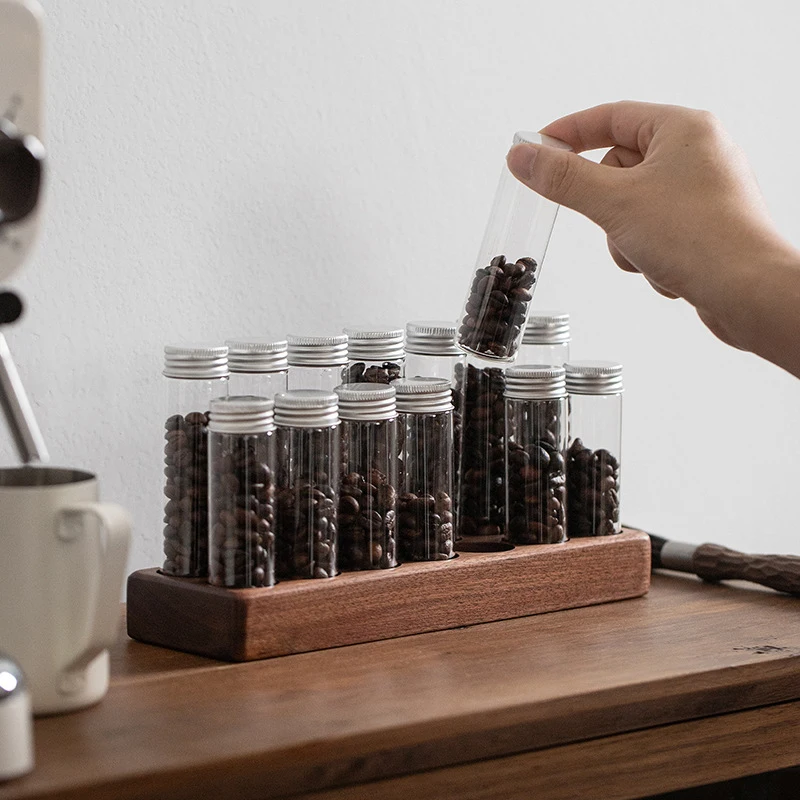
(375, 343)
(432, 338)
(366, 401)
(547, 327)
(535, 382)
(594, 377)
(423, 395)
(317, 351)
(306, 408)
(196, 361)
(257, 355)
(241, 414)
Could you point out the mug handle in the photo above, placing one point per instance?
(97, 617)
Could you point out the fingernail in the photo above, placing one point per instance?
(520, 160)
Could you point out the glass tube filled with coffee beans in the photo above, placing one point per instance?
(375, 355)
(480, 386)
(536, 438)
(195, 375)
(259, 367)
(546, 339)
(307, 488)
(425, 444)
(241, 503)
(510, 257)
(593, 455)
(317, 362)
(368, 487)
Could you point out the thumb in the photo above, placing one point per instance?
(563, 177)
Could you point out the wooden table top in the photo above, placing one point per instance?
(181, 726)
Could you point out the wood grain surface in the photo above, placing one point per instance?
(180, 726)
(299, 616)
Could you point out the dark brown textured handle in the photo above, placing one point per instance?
(714, 563)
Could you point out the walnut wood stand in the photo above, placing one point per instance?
(299, 616)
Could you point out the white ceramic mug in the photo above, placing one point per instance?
(63, 557)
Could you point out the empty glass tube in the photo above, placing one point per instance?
(259, 367)
(546, 339)
(317, 362)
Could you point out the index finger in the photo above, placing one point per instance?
(626, 123)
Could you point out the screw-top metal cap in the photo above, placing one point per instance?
(423, 395)
(196, 361)
(317, 351)
(535, 382)
(257, 355)
(375, 344)
(594, 377)
(241, 414)
(432, 338)
(306, 408)
(547, 327)
(366, 401)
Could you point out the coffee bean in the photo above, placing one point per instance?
(306, 502)
(593, 491)
(368, 498)
(361, 372)
(497, 307)
(535, 477)
(186, 490)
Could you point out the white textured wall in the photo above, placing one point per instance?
(220, 168)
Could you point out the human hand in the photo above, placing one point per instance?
(675, 196)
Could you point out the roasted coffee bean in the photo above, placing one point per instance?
(367, 524)
(425, 527)
(242, 540)
(497, 307)
(306, 502)
(481, 474)
(592, 491)
(361, 372)
(186, 490)
(536, 480)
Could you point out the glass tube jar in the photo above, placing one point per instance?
(195, 375)
(308, 463)
(431, 350)
(241, 492)
(593, 456)
(536, 441)
(368, 487)
(510, 257)
(259, 367)
(481, 473)
(374, 355)
(425, 475)
(546, 339)
(316, 362)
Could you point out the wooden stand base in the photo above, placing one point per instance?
(298, 616)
